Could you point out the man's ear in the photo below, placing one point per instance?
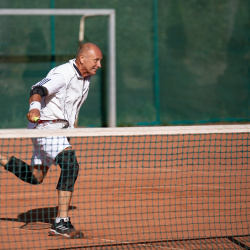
(81, 58)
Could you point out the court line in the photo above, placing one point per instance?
(170, 248)
(169, 186)
(120, 242)
(24, 195)
(91, 190)
(145, 245)
(17, 228)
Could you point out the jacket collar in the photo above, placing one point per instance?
(77, 70)
(73, 63)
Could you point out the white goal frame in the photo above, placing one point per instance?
(111, 43)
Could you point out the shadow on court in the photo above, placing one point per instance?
(36, 219)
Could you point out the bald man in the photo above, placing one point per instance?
(57, 99)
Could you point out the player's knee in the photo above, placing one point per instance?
(69, 170)
(22, 170)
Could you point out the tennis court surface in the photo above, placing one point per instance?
(138, 188)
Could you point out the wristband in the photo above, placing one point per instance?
(35, 105)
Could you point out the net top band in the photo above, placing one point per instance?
(125, 131)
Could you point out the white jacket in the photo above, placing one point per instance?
(67, 91)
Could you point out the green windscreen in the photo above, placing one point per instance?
(177, 62)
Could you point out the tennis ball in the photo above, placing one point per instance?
(36, 119)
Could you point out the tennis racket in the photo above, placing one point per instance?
(51, 124)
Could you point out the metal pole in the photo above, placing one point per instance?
(156, 62)
(112, 44)
(53, 47)
(112, 73)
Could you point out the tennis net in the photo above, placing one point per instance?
(181, 187)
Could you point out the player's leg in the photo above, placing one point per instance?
(32, 174)
(64, 199)
(69, 173)
(22, 170)
(53, 148)
(62, 224)
(58, 151)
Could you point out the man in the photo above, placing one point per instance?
(57, 99)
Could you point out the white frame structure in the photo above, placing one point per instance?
(111, 40)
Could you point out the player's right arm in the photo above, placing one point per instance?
(36, 95)
(48, 86)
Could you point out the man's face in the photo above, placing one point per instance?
(91, 61)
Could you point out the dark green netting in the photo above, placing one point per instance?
(177, 62)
